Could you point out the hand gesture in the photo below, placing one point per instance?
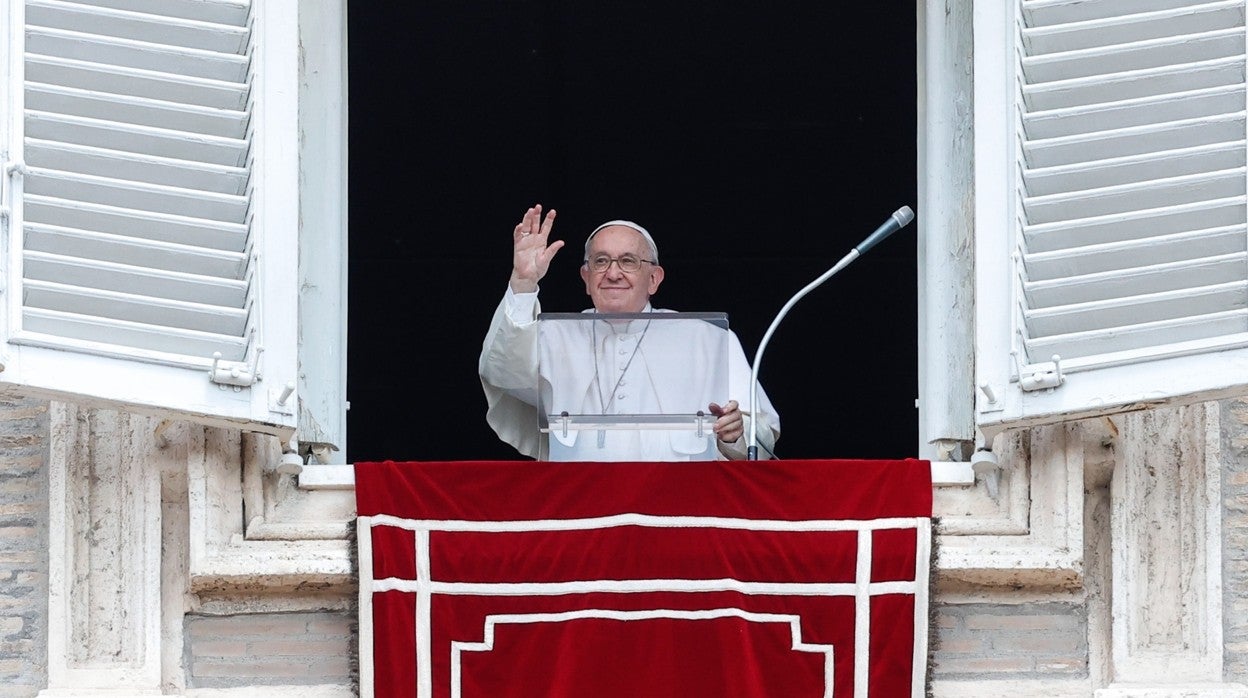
(530, 254)
(730, 424)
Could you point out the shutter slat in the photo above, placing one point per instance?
(157, 312)
(1145, 251)
(103, 162)
(170, 228)
(1126, 24)
(1123, 58)
(232, 12)
(1136, 224)
(1134, 168)
(1124, 283)
(1124, 312)
(140, 111)
(68, 242)
(138, 195)
(1174, 191)
(144, 140)
(1135, 140)
(92, 48)
(1120, 339)
(110, 276)
(1182, 77)
(59, 326)
(139, 26)
(1225, 99)
(1040, 13)
(150, 84)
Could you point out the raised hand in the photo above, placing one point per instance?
(531, 254)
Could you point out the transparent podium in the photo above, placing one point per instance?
(631, 386)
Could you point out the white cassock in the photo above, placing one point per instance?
(637, 367)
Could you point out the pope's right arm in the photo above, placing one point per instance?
(509, 355)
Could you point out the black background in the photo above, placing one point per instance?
(758, 145)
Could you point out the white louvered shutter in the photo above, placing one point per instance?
(1110, 214)
(152, 193)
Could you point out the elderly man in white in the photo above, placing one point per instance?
(621, 272)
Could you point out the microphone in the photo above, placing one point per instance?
(900, 219)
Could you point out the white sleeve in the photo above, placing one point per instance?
(509, 353)
(508, 369)
(521, 307)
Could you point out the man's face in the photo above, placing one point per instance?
(615, 290)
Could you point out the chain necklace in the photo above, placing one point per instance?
(605, 404)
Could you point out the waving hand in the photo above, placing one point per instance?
(531, 254)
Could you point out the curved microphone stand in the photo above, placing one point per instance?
(900, 219)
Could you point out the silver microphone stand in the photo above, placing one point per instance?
(900, 219)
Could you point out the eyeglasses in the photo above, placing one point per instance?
(628, 262)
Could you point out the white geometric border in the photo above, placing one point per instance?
(424, 587)
(491, 622)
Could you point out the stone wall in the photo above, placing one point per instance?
(268, 648)
(1016, 641)
(23, 546)
(1235, 539)
(1020, 639)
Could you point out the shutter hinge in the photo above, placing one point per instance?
(1043, 376)
(235, 373)
(12, 170)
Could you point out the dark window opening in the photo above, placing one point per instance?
(757, 145)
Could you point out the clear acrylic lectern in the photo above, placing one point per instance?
(631, 386)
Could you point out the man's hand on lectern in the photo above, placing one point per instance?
(730, 424)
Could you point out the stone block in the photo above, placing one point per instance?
(258, 649)
(24, 434)
(1015, 641)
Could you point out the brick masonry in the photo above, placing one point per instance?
(23, 546)
(1010, 641)
(1235, 540)
(268, 649)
